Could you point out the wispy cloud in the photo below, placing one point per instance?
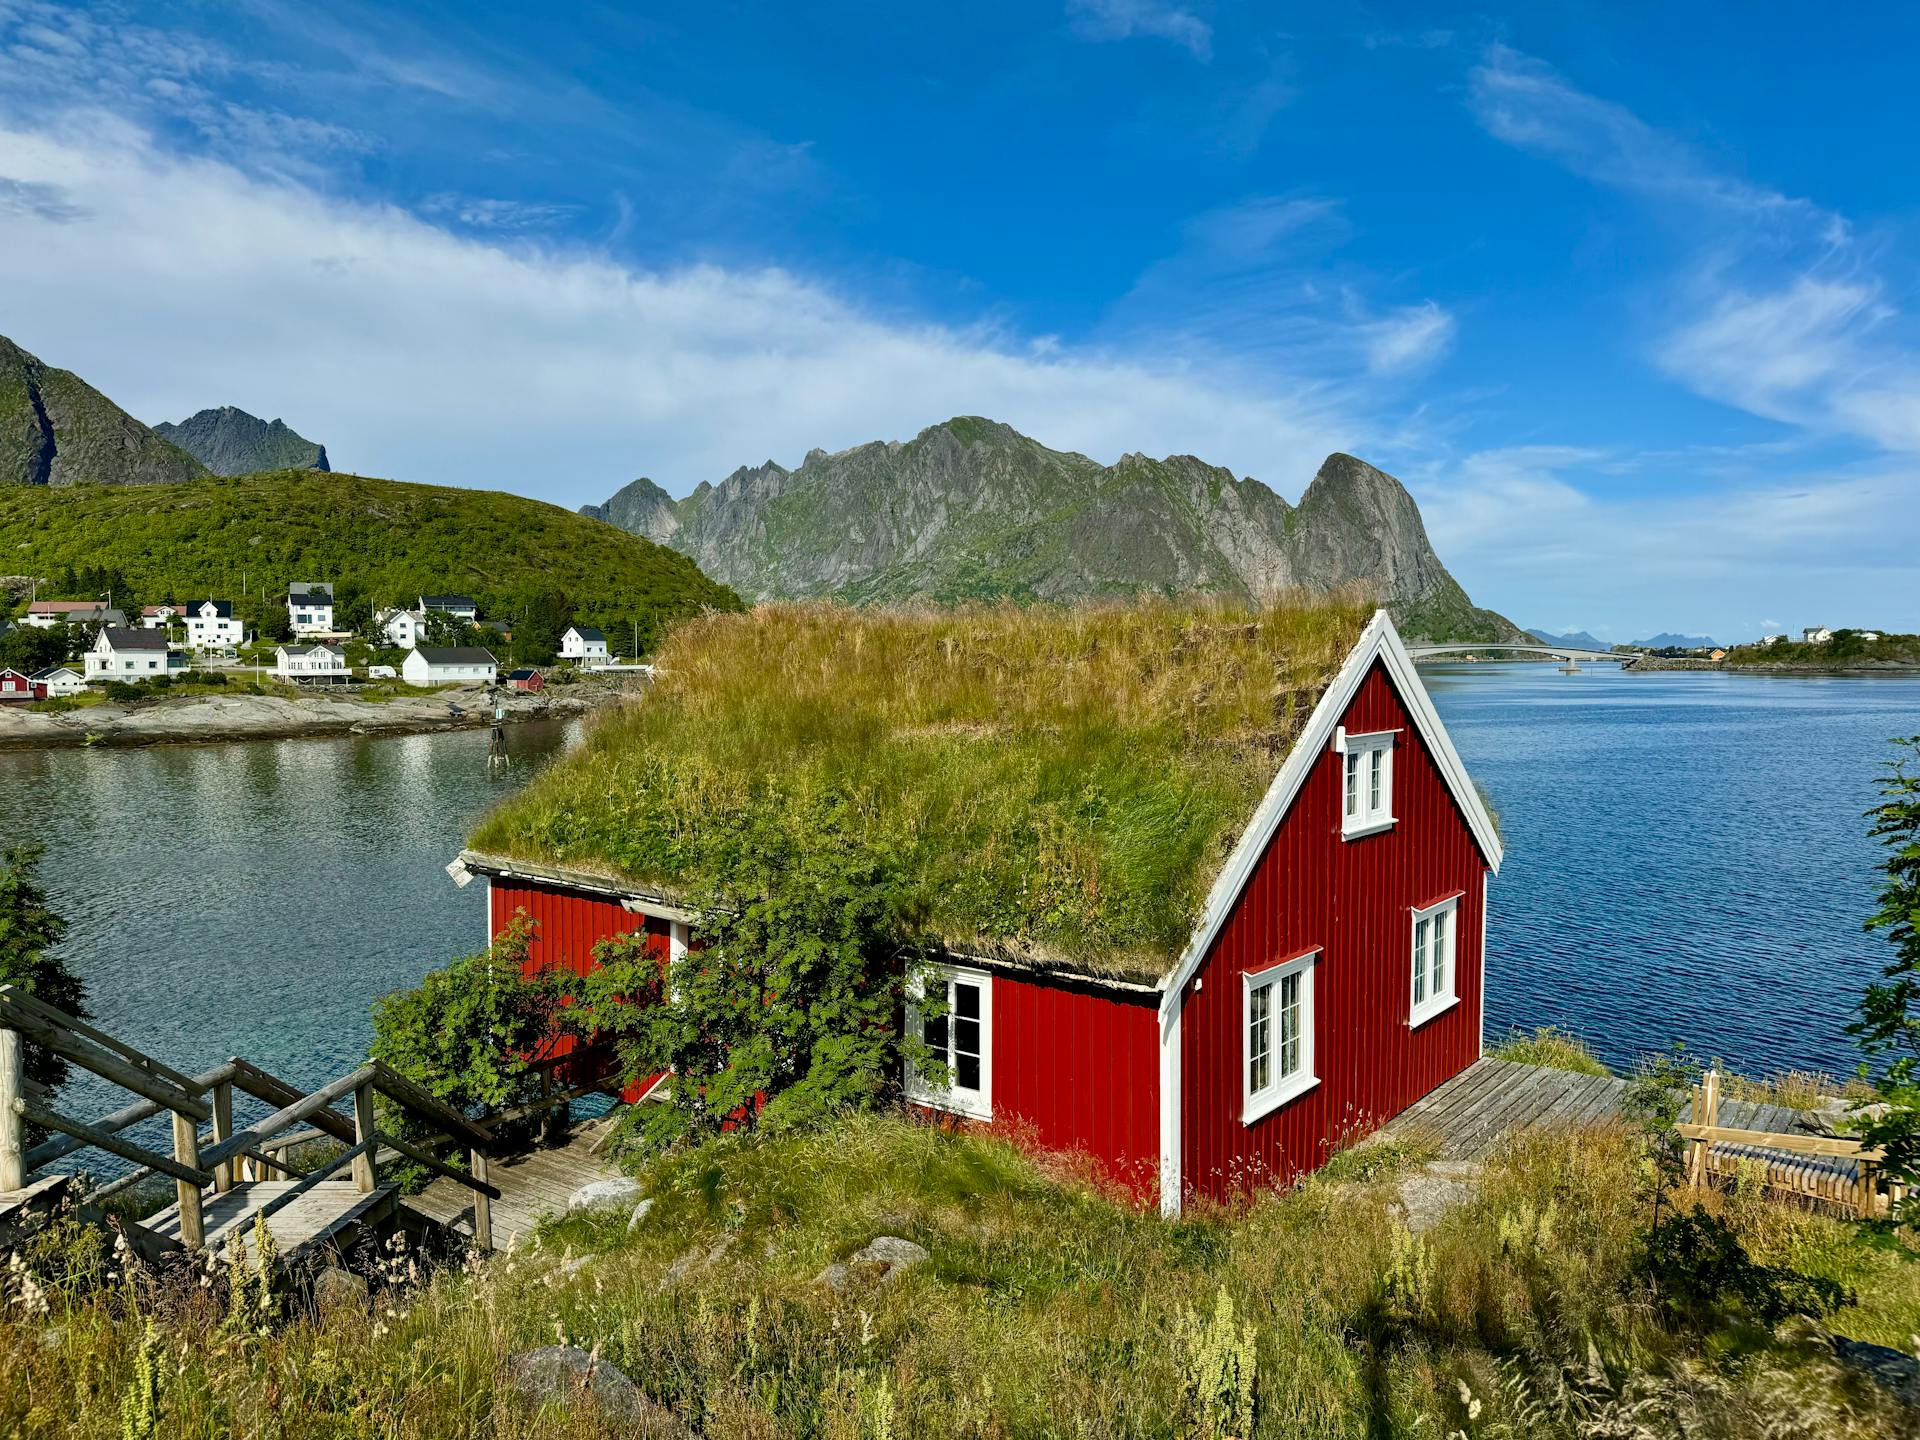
(1126, 19)
(1778, 308)
(38, 199)
(478, 212)
(1411, 338)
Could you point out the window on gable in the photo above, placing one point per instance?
(1366, 797)
(957, 1029)
(1278, 1049)
(1434, 960)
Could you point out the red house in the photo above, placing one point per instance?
(528, 679)
(15, 686)
(1333, 977)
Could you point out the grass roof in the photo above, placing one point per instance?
(1058, 785)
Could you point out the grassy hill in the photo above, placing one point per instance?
(379, 540)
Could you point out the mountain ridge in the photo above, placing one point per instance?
(57, 431)
(229, 441)
(971, 508)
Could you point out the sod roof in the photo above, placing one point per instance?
(1060, 786)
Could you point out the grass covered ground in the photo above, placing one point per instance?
(1050, 782)
(1047, 1308)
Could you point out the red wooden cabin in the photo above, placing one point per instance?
(1334, 978)
(16, 686)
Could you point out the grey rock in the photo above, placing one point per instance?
(617, 1191)
(53, 1337)
(337, 1291)
(1894, 1371)
(835, 1277)
(232, 442)
(566, 1375)
(1426, 1198)
(1838, 1118)
(894, 1252)
(882, 1261)
(639, 1214)
(57, 430)
(931, 518)
(574, 1266)
(699, 1259)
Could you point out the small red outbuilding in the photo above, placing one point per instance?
(1335, 975)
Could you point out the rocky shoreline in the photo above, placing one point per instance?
(212, 718)
(1864, 667)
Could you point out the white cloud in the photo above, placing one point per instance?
(178, 283)
(1409, 339)
(479, 212)
(1124, 19)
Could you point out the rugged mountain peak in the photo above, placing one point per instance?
(57, 430)
(640, 507)
(229, 441)
(971, 507)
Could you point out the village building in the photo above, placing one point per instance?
(1323, 972)
(310, 607)
(401, 627)
(449, 665)
(461, 607)
(527, 679)
(17, 685)
(58, 680)
(311, 664)
(211, 625)
(122, 653)
(1815, 635)
(51, 614)
(583, 642)
(158, 617)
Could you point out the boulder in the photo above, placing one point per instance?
(340, 1292)
(1894, 1371)
(639, 1214)
(1426, 1197)
(566, 1375)
(883, 1260)
(604, 1194)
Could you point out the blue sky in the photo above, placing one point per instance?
(1625, 295)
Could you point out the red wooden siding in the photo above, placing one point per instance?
(1353, 900)
(1079, 1069)
(567, 925)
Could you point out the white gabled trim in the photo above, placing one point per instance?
(1379, 641)
(1170, 1109)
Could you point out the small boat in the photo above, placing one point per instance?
(455, 711)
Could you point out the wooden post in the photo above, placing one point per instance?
(186, 1149)
(482, 1203)
(223, 1173)
(364, 1173)
(13, 1125)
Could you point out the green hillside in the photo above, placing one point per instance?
(379, 541)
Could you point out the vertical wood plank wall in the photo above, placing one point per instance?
(1353, 899)
(1077, 1068)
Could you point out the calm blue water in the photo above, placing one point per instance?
(1686, 856)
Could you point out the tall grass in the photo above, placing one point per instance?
(1552, 1047)
(1048, 1307)
(1054, 781)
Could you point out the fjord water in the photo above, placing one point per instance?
(1685, 857)
(1686, 853)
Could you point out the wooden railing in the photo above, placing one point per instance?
(223, 1157)
(1812, 1167)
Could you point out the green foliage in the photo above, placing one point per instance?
(467, 1033)
(1888, 1029)
(1654, 1098)
(28, 648)
(29, 930)
(1552, 1047)
(121, 693)
(140, 1403)
(1699, 1266)
(253, 1300)
(1062, 782)
(1847, 648)
(786, 1013)
(275, 622)
(247, 538)
(1219, 1366)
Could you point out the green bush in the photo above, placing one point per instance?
(122, 693)
(1699, 1265)
(29, 931)
(160, 682)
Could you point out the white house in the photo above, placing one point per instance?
(583, 642)
(119, 653)
(211, 625)
(402, 627)
(158, 617)
(51, 614)
(310, 607)
(325, 664)
(449, 665)
(1869, 635)
(1815, 635)
(1773, 639)
(460, 607)
(57, 680)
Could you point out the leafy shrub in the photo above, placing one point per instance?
(122, 693)
(29, 930)
(160, 682)
(1218, 1370)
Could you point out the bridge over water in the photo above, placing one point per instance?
(1545, 652)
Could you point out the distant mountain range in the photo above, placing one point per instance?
(973, 509)
(56, 430)
(1576, 640)
(232, 442)
(1667, 641)
(1580, 639)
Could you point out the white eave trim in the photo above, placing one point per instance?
(634, 902)
(1379, 641)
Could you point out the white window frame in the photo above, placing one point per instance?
(1365, 770)
(1279, 1089)
(1424, 1002)
(976, 1104)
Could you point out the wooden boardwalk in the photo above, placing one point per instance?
(532, 1186)
(332, 1215)
(1492, 1098)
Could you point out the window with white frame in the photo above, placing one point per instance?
(1366, 781)
(1434, 960)
(952, 1013)
(1277, 1035)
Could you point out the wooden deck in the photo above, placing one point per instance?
(532, 1186)
(1492, 1098)
(333, 1215)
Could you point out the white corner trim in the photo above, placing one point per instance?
(1170, 1129)
(1379, 641)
